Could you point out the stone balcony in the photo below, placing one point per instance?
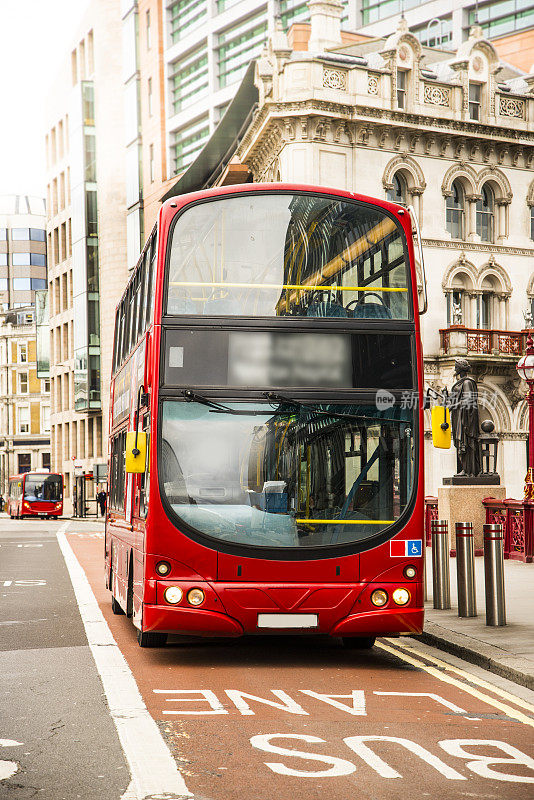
(458, 340)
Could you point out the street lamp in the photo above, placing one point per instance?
(525, 368)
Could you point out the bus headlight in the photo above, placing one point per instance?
(409, 571)
(379, 597)
(195, 597)
(173, 594)
(163, 567)
(401, 597)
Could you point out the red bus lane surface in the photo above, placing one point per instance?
(293, 717)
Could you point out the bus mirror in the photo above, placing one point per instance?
(135, 455)
(441, 427)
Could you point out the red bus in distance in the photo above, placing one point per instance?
(35, 494)
(266, 447)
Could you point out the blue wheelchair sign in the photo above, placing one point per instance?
(415, 547)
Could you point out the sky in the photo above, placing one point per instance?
(35, 37)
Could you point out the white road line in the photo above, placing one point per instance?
(152, 767)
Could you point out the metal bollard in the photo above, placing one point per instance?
(465, 569)
(441, 582)
(494, 575)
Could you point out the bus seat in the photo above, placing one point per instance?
(326, 309)
(371, 311)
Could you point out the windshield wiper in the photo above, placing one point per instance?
(219, 408)
(273, 396)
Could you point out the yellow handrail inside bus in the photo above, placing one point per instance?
(307, 287)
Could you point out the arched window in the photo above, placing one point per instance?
(455, 211)
(399, 192)
(458, 300)
(486, 214)
(487, 316)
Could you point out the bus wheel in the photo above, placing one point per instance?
(115, 607)
(151, 639)
(359, 642)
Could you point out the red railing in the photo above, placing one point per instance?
(517, 518)
(482, 342)
(431, 512)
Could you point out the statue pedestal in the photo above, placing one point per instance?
(463, 503)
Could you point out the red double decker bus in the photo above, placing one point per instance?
(35, 494)
(265, 465)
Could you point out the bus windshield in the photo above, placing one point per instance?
(280, 254)
(43, 487)
(287, 474)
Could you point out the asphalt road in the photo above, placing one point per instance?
(253, 719)
(51, 699)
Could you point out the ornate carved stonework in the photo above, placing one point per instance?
(513, 393)
(511, 107)
(335, 78)
(436, 95)
(373, 84)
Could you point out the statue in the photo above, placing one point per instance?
(456, 313)
(464, 420)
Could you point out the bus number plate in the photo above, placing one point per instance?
(288, 621)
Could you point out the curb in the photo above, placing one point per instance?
(493, 659)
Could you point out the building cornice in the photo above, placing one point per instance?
(480, 247)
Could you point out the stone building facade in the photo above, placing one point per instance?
(451, 133)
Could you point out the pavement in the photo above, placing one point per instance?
(506, 651)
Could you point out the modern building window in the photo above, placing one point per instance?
(23, 419)
(46, 461)
(20, 234)
(148, 30)
(290, 11)
(24, 461)
(23, 383)
(38, 284)
(45, 386)
(401, 88)
(184, 15)
(499, 17)
(3, 259)
(399, 192)
(151, 168)
(189, 79)
(436, 33)
(455, 211)
(187, 142)
(91, 212)
(149, 94)
(373, 10)
(485, 215)
(3, 284)
(22, 353)
(238, 45)
(45, 419)
(90, 157)
(3, 234)
(474, 101)
(27, 259)
(37, 235)
(22, 284)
